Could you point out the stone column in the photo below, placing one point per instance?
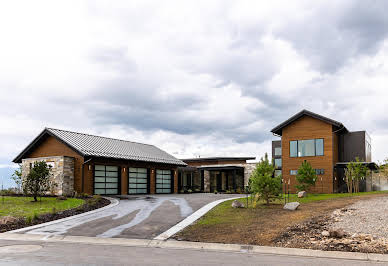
(206, 179)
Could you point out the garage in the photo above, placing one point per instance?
(164, 181)
(106, 180)
(138, 181)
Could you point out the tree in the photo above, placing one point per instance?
(306, 176)
(354, 172)
(17, 177)
(263, 183)
(38, 180)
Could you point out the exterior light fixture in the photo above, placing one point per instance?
(90, 167)
(123, 169)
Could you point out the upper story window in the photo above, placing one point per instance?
(278, 163)
(278, 151)
(308, 147)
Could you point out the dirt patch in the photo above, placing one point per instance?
(271, 226)
(90, 204)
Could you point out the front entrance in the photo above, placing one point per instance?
(226, 180)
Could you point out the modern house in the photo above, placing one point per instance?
(215, 174)
(98, 165)
(326, 144)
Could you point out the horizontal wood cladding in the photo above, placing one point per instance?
(51, 146)
(303, 129)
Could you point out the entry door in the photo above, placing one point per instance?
(163, 181)
(138, 181)
(106, 180)
(219, 182)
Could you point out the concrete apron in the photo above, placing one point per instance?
(173, 244)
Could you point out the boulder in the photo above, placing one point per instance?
(325, 233)
(302, 194)
(292, 206)
(8, 219)
(337, 233)
(237, 204)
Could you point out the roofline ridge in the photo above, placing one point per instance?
(86, 134)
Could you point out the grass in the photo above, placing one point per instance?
(25, 207)
(224, 213)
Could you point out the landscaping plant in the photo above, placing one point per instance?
(263, 183)
(38, 180)
(306, 176)
(354, 172)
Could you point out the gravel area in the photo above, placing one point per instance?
(364, 217)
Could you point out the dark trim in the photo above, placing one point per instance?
(217, 168)
(37, 139)
(278, 129)
(370, 165)
(209, 159)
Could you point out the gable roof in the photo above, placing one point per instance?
(278, 129)
(96, 146)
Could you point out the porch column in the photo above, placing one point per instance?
(206, 180)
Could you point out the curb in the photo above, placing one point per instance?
(113, 202)
(191, 219)
(173, 244)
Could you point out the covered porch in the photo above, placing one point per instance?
(339, 184)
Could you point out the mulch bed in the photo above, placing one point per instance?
(89, 205)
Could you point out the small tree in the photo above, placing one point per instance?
(37, 181)
(354, 172)
(306, 176)
(17, 177)
(263, 183)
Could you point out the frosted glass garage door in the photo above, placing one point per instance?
(138, 181)
(106, 180)
(163, 181)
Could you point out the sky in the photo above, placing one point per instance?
(195, 78)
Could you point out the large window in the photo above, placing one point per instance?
(308, 147)
(106, 180)
(278, 151)
(163, 181)
(138, 181)
(278, 163)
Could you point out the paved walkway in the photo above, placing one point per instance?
(140, 217)
(52, 253)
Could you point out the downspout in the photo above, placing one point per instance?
(82, 179)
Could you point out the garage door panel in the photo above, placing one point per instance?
(163, 181)
(138, 181)
(106, 180)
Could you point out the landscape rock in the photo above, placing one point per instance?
(337, 233)
(325, 233)
(61, 198)
(292, 206)
(237, 204)
(7, 219)
(302, 194)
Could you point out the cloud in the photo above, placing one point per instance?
(201, 78)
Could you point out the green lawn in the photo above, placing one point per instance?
(24, 207)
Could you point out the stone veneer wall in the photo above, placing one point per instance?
(62, 172)
(206, 181)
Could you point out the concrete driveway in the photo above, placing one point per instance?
(142, 217)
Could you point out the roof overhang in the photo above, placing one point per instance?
(215, 159)
(370, 165)
(278, 129)
(221, 167)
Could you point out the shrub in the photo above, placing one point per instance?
(306, 176)
(189, 191)
(263, 183)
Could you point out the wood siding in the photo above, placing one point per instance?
(303, 129)
(51, 146)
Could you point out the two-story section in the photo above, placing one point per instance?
(325, 143)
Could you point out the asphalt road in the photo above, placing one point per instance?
(140, 217)
(51, 253)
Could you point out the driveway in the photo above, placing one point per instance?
(142, 217)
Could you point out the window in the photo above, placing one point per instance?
(278, 163)
(278, 173)
(293, 148)
(278, 151)
(293, 172)
(138, 181)
(318, 147)
(163, 181)
(320, 171)
(308, 147)
(106, 180)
